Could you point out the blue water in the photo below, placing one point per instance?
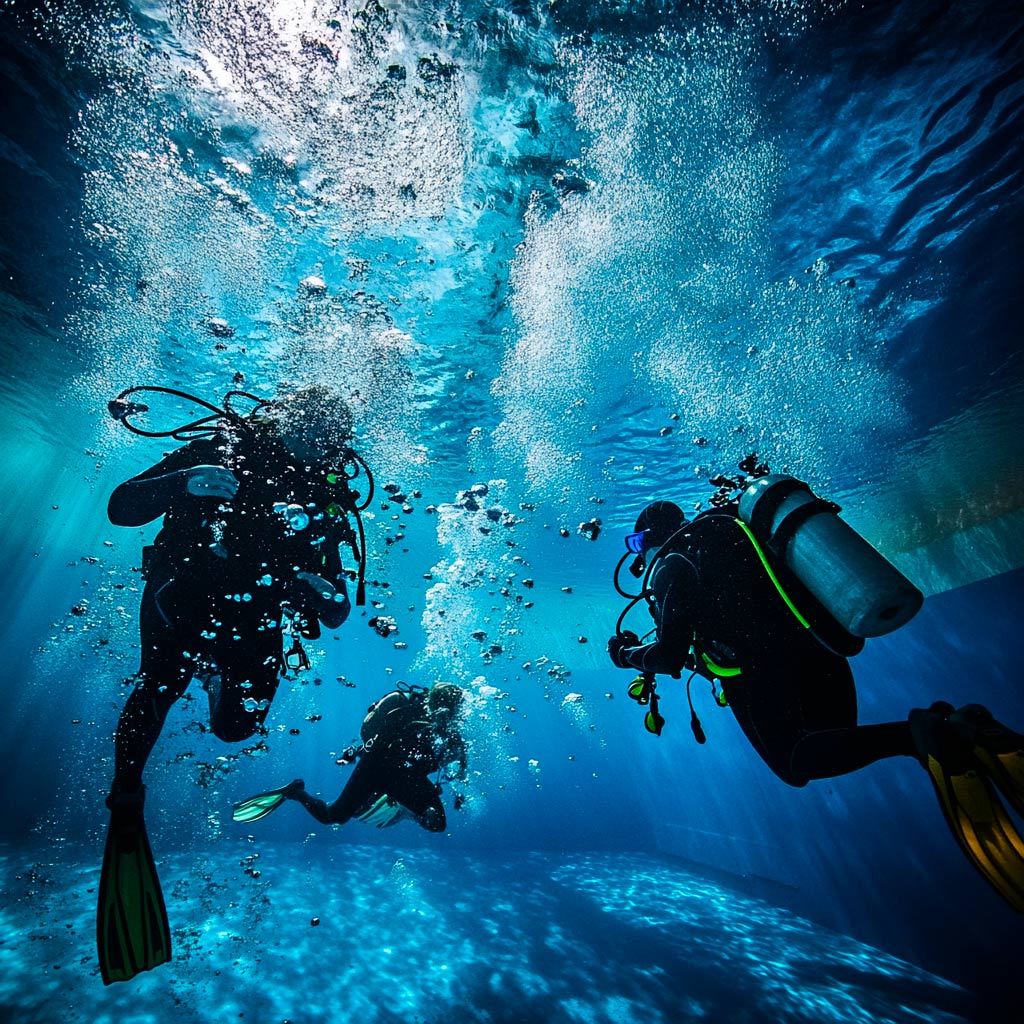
(588, 254)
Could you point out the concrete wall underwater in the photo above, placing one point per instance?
(976, 553)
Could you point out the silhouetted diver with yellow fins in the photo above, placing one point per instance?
(767, 597)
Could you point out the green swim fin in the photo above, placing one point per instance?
(259, 806)
(384, 812)
(132, 932)
(999, 750)
(972, 808)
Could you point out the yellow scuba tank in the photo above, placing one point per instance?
(864, 592)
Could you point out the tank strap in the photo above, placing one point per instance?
(771, 575)
(795, 519)
(761, 519)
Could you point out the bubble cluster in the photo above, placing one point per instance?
(659, 282)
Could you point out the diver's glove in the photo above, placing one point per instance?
(616, 645)
(210, 482)
(331, 603)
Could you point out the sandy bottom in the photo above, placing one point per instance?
(266, 934)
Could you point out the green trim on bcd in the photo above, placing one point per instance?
(771, 575)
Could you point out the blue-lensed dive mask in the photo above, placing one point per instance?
(635, 542)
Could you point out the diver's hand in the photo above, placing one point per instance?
(323, 589)
(616, 645)
(333, 605)
(211, 482)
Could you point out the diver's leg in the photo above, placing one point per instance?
(248, 662)
(421, 796)
(832, 743)
(163, 677)
(832, 752)
(800, 714)
(362, 788)
(141, 722)
(763, 708)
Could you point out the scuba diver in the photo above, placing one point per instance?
(407, 736)
(767, 597)
(255, 509)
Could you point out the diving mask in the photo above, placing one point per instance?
(635, 542)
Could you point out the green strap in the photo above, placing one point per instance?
(771, 575)
(719, 670)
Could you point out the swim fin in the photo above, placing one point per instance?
(384, 812)
(999, 749)
(972, 808)
(132, 931)
(260, 805)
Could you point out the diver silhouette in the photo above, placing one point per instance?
(767, 597)
(255, 510)
(407, 736)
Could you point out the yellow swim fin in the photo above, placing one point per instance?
(972, 808)
(999, 750)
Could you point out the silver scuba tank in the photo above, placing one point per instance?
(864, 592)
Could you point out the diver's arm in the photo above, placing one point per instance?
(142, 499)
(657, 659)
(189, 470)
(139, 501)
(454, 752)
(674, 585)
(324, 590)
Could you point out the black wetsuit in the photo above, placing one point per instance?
(401, 750)
(216, 578)
(794, 698)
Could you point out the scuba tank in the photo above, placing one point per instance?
(864, 592)
(388, 720)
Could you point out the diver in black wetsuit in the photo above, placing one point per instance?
(722, 611)
(255, 509)
(253, 520)
(716, 612)
(407, 736)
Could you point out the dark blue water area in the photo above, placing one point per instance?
(896, 212)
